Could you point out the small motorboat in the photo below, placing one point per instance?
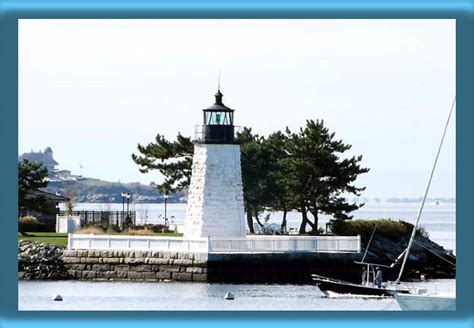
(367, 287)
(328, 285)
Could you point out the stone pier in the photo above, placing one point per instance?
(135, 265)
(200, 267)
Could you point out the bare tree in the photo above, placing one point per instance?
(70, 191)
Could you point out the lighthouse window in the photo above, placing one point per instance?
(217, 118)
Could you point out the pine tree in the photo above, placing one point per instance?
(320, 179)
(31, 176)
(278, 176)
(255, 170)
(172, 159)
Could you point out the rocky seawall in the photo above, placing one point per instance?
(42, 261)
(39, 261)
(426, 258)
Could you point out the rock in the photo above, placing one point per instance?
(40, 261)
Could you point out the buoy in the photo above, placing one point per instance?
(57, 298)
(228, 296)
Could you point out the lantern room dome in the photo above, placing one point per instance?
(218, 105)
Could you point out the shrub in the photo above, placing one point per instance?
(420, 231)
(390, 229)
(95, 230)
(155, 227)
(113, 229)
(104, 225)
(30, 224)
(139, 232)
(317, 232)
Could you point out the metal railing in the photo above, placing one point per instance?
(286, 244)
(251, 244)
(202, 133)
(108, 217)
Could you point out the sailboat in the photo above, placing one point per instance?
(407, 301)
(424, 300)
(427, 302)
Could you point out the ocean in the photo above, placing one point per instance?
(173, 296)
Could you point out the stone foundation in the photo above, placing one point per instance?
(281, 268)
(135, 265)
(200, 267)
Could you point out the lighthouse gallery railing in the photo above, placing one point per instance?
(251, 244)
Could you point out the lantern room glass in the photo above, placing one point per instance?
(218, 118)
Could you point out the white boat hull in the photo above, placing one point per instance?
(427, 302)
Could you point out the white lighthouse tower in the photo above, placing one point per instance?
(215, 199)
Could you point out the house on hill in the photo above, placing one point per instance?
(45, 157)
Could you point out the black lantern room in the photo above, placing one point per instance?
(218, 123)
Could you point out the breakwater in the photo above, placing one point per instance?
(233, 268)
(42, 261)
(39, 261)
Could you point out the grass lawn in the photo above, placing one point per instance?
(61, 238)
(157, 234)
(46, 237)
(168, 234)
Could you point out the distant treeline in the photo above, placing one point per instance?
(98, 191)
(419, 199)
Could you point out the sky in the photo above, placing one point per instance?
(95, 89)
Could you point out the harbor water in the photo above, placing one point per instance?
(171, 296)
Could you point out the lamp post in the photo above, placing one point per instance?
(165, 197)
(128, 204)
(123, 194)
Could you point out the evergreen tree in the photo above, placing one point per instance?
(281, 197)
(31, 176)
(172, 159)
(320, 179)
(255, 169)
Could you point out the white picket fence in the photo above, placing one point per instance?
(251, 244)
(287, 244)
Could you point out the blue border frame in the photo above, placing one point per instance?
(11, 11)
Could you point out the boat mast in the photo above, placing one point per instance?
(412, 237)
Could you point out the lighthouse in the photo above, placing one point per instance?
(215, 199)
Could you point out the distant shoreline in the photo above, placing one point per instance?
(96, 191)
(365, 200)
